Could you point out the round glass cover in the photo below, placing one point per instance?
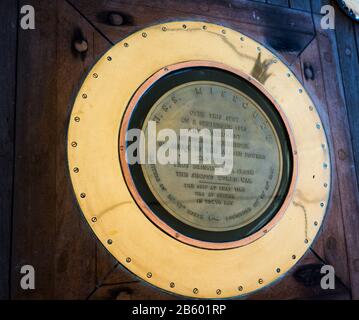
(217, 158)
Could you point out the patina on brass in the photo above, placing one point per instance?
(145, 246)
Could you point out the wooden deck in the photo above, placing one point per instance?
(40, 223)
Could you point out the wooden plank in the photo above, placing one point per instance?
(105, 265)
(300, 5)
(130, 291)
(356, 31)
(318, 4)
(252, 18)
(339, 123)
(119, 275)
(349, 63)
(8, 38)
(256, 13)
(70, 258)
(283, 3)
(296, 68)
(100, 265)
(331, 243)
(76, 245)
(249, 12)
(35, 165)
(356, 27)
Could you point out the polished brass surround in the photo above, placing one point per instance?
(108, 206)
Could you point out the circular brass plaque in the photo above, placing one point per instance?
(244, 223)
(193, 193)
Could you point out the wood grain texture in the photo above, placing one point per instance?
(347, 45)
(356, 27)
(342, 149)
(318, 4)
(331, 243)
(34, 216)
(300, 5)
(283, 3)
(260, 21)
(130, 291)
(8, 39)
(76, 245)
(349, 62)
